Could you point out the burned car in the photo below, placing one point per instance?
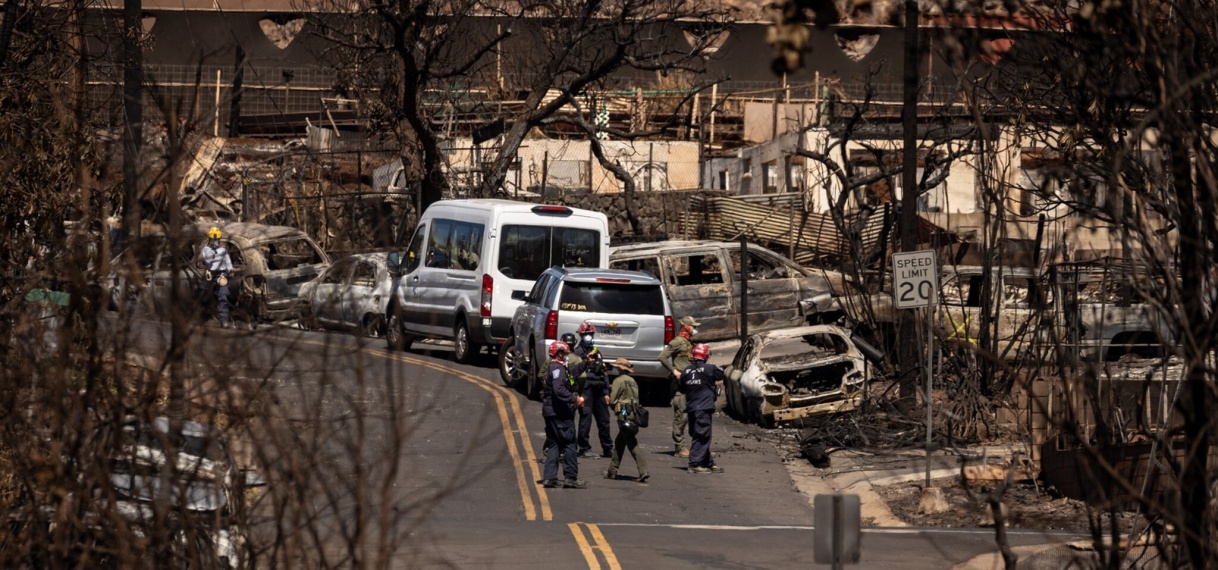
(789, 374)
(702, 279)
(270, 263)
(352, 294)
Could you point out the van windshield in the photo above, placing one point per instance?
(612, 298)
(526, 251)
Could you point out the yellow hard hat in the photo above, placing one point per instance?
(213, 233)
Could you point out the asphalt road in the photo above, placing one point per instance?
(433, 464)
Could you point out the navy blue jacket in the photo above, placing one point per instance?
(560, 397)
(698, 384)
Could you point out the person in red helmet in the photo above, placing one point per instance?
(675, 357)
(558, 403)
(592, 375)
(699, 382)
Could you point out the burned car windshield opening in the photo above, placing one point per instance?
(289, 253)
(612, 298)
(526, 251)
(799, 349)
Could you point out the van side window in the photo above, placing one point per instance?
(437, 244)
(454, 245)
(414, 253)
(696, 269)
(646, 264)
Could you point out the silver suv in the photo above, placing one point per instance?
(629, 309)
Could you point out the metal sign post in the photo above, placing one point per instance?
(915, 283)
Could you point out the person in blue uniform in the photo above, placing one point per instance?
(699, 384)
(590, 372)
(558, 405)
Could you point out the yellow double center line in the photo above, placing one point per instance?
(594, 546)
(515, 433)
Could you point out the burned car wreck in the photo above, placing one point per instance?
(789, 374)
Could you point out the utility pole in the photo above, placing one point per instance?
(908, 353)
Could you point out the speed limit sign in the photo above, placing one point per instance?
(915, 279)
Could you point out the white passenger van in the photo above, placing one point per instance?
(471, 262)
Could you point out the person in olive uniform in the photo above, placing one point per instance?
(558, 406)
(675, 357)
(592, 376)
(624, 393)
(699, 383)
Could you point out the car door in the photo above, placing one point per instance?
(773, 291)
(528, 323)
(327, 296)
(698, 286)
(357, 296)
(410, 286)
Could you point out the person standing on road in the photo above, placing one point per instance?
(217, 265)
(558, 406)
(699, 383)
(568, 339)
(623, 397)
(593, 378)
(675, 357)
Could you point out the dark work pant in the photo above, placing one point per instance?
(210, 292)
(594, 407)
(621, 444)
(561, 431)
(700, 438)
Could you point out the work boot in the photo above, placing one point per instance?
(611, 474)
(643, 477)
(716, 469)
(683, 453)
(574, 484)
(699, 470)
(550, 483)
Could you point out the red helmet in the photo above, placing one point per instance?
(587, 328)
(559, 347)
(701, 352)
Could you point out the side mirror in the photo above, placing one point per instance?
(520, 296)
(734, 375)
(395, 261)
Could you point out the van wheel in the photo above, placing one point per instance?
(513, 366)
(463, 346)
(395, 335)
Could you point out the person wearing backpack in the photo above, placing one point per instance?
(624, 399)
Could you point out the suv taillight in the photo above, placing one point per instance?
(552, 326)
(488, 287)
(669, 333)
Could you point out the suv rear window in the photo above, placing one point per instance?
(612, 298)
